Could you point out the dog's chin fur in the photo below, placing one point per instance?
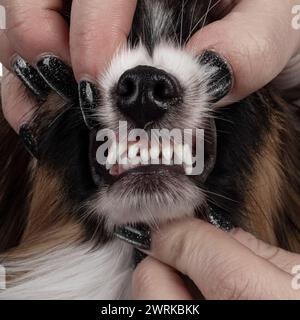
(56, 233)
(164, 197)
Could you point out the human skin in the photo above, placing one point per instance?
(223, 265)
(258, 43)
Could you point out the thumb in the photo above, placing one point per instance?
(258, 43)
(220, 266)
(153, 280)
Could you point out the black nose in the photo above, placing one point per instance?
(144, 94)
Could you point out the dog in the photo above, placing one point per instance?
(59, 212)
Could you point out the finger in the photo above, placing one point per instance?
(153, 280)
(98, 28)
(16, 105)
(6, 51)
(258, 43)
(36, 27)
(220, 266)
(281, 258)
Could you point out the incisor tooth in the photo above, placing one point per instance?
(188, 169)
(167, 153)
(154, 153)
(178, 154)
(112, 155)
(187, 154)
(133, 150)
(144, 155)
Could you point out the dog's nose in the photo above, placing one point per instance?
(145, 93)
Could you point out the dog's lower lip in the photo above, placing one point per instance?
(144, 170)
(151, 169)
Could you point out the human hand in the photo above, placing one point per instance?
(37, 28)
(233, 265)
(257, 39)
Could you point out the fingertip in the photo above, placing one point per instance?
(34, 32)
(154, 280)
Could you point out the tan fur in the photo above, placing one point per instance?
(263, 195)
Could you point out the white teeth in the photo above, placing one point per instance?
(188, 169)
(167, 153)
(144, 155)
(133, 151)
(154, 153)
(178, 154)
(187, 154)
(123, 157)
(122, 148)
(112, 155)
(188, 159)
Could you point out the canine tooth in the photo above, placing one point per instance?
(178, 154)
(108, 166)
(188, 169)
(122, 152)
(187, 153)
(112, 155)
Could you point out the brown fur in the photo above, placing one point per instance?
(35, 217)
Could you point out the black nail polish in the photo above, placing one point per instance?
(89, 97)
(138, 257)
(59, 77)
(222, 79)
(219, 219)
(31, 78)
(139, 237)
(29, 140)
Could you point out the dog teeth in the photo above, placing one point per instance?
(167, 154)
(123, 157)
(133, 151)
(144, 155)
(188, 169)
(112, 155)
(187, 155)
(188, 159)
(154, 153)
(178, 154)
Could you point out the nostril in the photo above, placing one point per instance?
(145, 94)
(126, 88)
(164, 90)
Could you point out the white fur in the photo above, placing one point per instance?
(123, 204)
(78, 272)
(192, 76)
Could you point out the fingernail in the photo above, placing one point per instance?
(139, 237)
(58, 76)
(28, 140)
(89, 97)
(219, 220)
(31, 78)
(222, 79)
(138, 257)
